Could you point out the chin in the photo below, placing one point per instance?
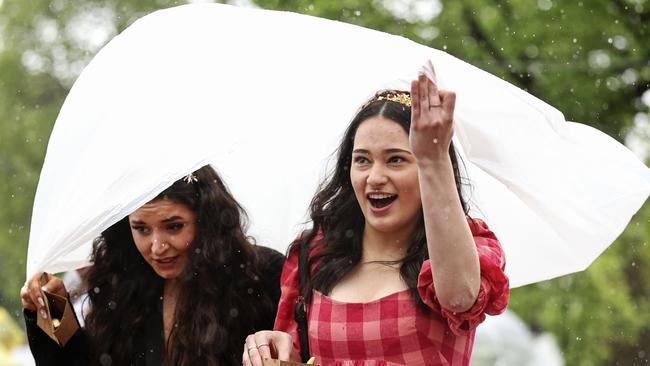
(383, 226)
(168, 275)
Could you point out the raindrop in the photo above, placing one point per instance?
(234, 312)
(544, 4)
(112, 305)
(105, 359)
(197, 250)
(349, 233)
(578, 339)
(250, 291)
(96, 290)
(620, 42)
(575, 40)
(357, 13)
(435, 141)
(599, 59)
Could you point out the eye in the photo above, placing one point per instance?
(175, 226)
(140, 229)
(360, 160)
(396, 159)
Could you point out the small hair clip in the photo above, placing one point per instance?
(190, 178)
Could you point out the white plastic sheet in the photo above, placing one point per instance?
(265, 96)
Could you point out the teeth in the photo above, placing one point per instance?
(379, 196)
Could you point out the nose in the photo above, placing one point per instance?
(377, 175)
(159, 244)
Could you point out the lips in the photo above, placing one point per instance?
(381, 200)
(166, 262)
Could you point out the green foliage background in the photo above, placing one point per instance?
(590, 59)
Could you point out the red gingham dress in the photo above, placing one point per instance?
(392, 330)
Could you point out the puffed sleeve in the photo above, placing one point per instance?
(494, 291)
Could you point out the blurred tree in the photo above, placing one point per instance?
(590, 59)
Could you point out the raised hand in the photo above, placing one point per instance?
(432, 120)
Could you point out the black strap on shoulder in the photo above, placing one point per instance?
(300, 308)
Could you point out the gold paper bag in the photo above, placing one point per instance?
(61, 323)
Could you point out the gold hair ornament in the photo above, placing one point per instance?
(396, 96)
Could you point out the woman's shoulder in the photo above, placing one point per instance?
(268, 255)
(269, 261)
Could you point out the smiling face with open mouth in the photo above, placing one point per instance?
(384, 176)
(163, 231)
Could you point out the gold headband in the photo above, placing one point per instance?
(396, 96)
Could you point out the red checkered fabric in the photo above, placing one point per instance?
(392, 330)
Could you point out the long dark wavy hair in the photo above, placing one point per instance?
(221, 296)
(335, 212)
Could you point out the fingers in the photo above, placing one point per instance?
(268, 344)
(448, 100)
(415, 101)
(423, 92)
(33, 289)
(26, 300)
(284, 347)
(251, 352)
(432, 90)
(31, 294)
(55, 285)
(245, 358)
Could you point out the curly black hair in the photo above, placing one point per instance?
(221, 298)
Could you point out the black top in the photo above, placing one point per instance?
(151, 347)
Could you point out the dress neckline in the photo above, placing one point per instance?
(372, 302)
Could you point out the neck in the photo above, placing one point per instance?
(381, 246)
(171, 288)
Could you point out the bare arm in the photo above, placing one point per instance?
(453, 255)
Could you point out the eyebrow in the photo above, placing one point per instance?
(169, 219)
(386, 151)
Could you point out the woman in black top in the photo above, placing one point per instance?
(177, 282)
